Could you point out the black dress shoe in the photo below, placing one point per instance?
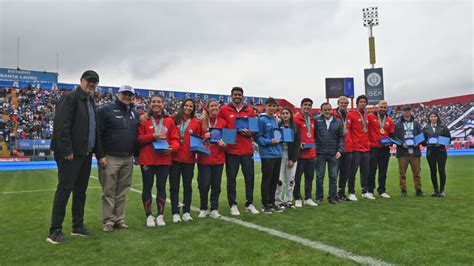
(332, 201)
(420, 193)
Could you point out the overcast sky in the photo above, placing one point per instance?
(283, 49)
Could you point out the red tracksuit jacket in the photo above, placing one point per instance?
(243, 144)
(217, 153)
(347, 138)
(360, 139)
(148, 156)
(301, 124)
(184, 154)
(374, 129)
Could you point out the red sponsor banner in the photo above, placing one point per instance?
(15, 159)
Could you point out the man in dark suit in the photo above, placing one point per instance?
(75, 138)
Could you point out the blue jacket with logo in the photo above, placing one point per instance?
(264, 137)
(118, 130)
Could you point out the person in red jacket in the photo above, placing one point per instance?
(307, 157)
(210, 167)
(156, 125)
(345, 162)
(380, 126)
(184, 159)
(239, 153)
(359, 132)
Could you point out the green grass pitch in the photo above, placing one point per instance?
(409, 231)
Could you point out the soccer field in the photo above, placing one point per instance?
(411, 230)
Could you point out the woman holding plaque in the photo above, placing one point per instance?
(156, 127)
(184, 159)
(436, 154)
(210, 167)
(289, 160)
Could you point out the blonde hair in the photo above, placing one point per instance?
(205, 115)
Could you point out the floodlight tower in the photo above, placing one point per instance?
(371, 19)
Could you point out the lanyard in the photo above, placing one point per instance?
(308, 125)
(408, 126)
(159, 127)
(183, 128)
(209, 123)
(363, 122)
(343, 117)
(382, 123)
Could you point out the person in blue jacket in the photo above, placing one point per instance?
(270, 151)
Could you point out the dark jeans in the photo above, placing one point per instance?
(307, 166)
(73, 176)
(148, 177)
(437, 159)
(344, 165)
(359, 159)
(232, 162)
(270, 177)
(209, 178)
(186, 170)
(320, 172)
(379, 158)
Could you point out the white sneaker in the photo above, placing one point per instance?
(368, 195)
(215, 214)
(176, 218)
(150, 221)
(385, 195)
(234, 210)
(352, 197)
(160, 220)
(252, 209)
(310, 202)
(202, 214)
(298, 203)
(187, 217)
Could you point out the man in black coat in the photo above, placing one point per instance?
(329, 139)
(75, 138)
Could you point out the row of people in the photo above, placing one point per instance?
(116, 133)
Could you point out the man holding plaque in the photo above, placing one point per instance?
(408, 153)
(345, 162)
(307, 157)
(329, 137)
(240, 153)
(359, 132)
(380, 126)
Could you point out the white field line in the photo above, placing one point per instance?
(340, 253)
(31, 191)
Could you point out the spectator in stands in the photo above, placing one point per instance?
(436, 155)
(75, 138)
(407, 128)
(115, 155)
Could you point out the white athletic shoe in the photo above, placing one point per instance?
(252, 209)
(352, 197)
(368, 195)
(150, 221)
(187, 217)
(215, 214)
(202, 214)
(298, 203)
(160, 220)
(234, 210)
(310, 202)
(176, 218)
(385, 195)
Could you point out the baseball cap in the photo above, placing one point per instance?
(407, 107)
(125, 88)
(90, 75)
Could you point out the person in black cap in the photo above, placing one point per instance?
(406, 128)
(75, 138)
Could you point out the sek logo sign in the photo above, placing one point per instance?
(374, 85)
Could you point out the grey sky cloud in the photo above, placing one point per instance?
(280, 49)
